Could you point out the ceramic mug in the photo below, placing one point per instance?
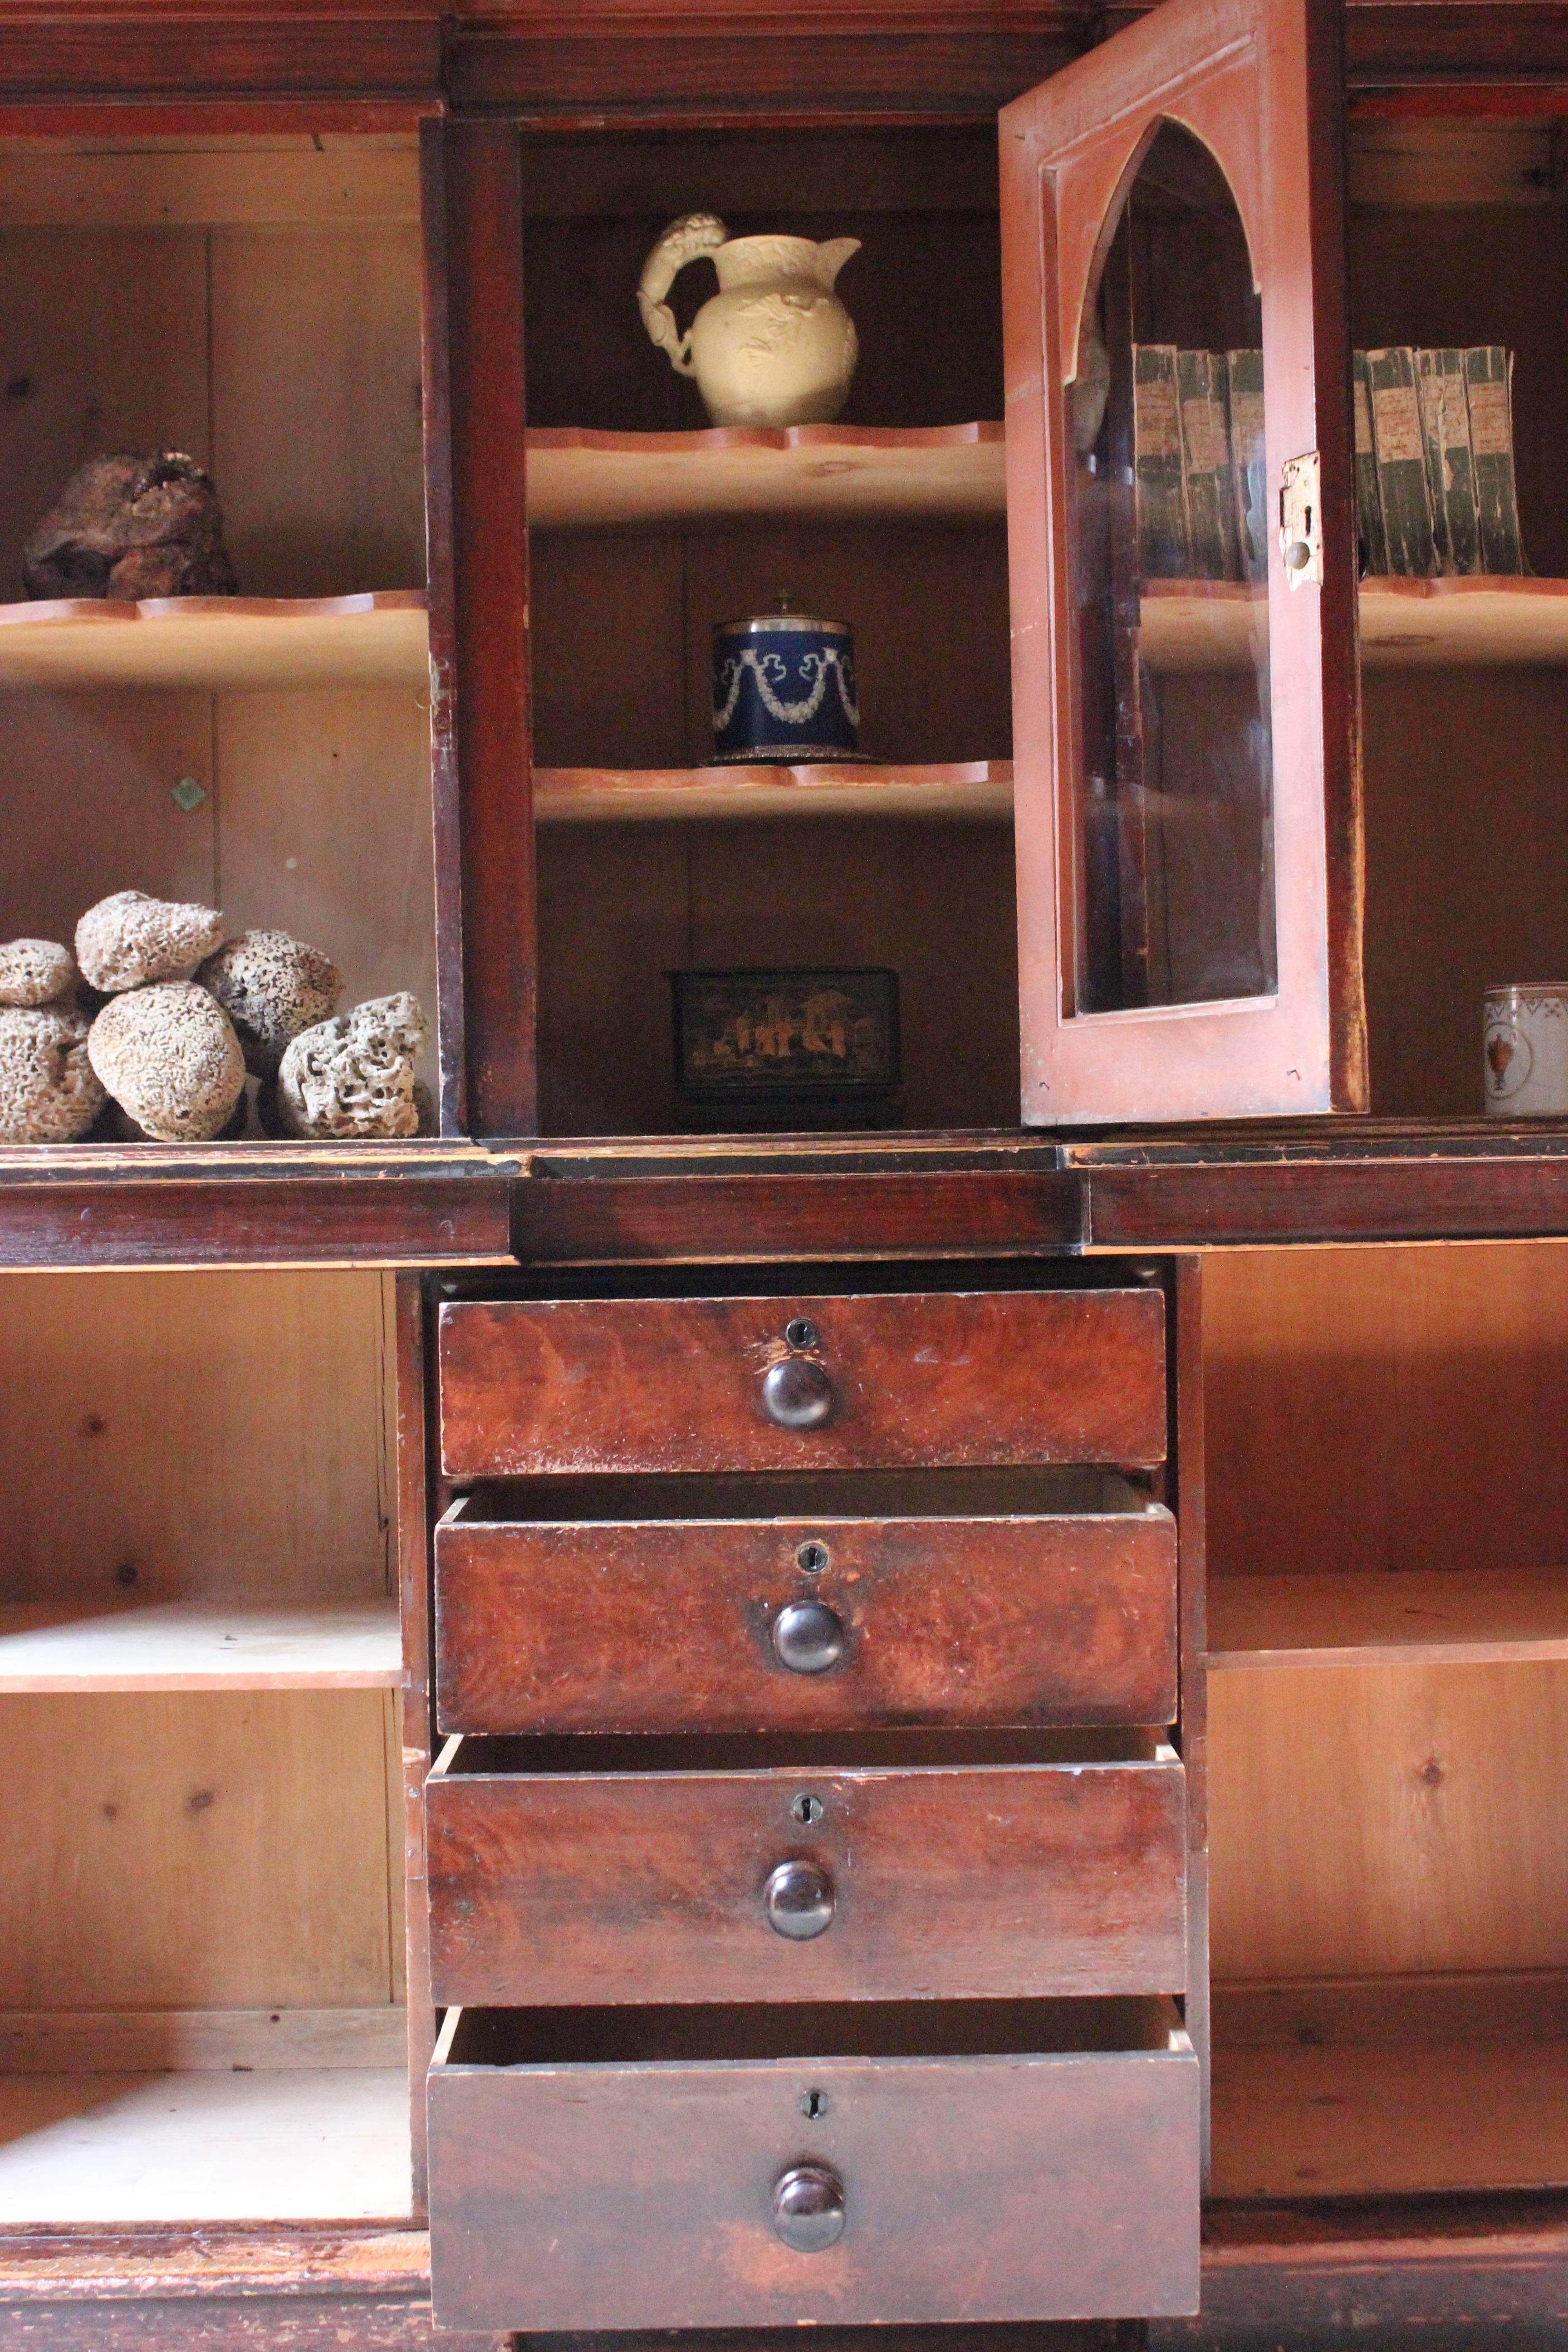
(1525, 1049)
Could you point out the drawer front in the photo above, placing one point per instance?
(792, 1885)
(972, 2188)
(667, 1625)
(715, 1384)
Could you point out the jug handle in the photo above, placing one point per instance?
(683, 241)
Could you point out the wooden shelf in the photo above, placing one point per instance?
(200, 1645)
(1203, 624)
(306, 2143)
(1444, 1617)
(578, 478)
(212, 642)
(978, 788)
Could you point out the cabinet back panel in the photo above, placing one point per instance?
(1387, 1820)
(620, 907)
(1386, 1408)
(199, 1851)
(221, 1433)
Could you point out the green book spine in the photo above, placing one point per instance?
(1401, 462)
(1250, 471)
(1368, 497)
(1206, 465)
(1488, 390)
(1163, 548)
(1445, 431)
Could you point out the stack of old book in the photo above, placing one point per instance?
(1435, 474)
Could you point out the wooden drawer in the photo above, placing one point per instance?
(859, 1382)
(1034, 1597)
(1031, 2163)
(685, 1876)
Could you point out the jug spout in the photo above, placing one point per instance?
(833, 256)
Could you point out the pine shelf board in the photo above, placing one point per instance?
(200, 1645)
(577, 477)
(233, 643)
(324, 2144)
(1357, 2121)
(975, 788)
(1412, 1617)
(1202, 625)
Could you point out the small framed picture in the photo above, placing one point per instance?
(791, 1046)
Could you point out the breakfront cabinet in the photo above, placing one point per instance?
(617, 1728)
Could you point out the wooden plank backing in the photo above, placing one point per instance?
(976, 1620)
(928, 1378)
(980, 1883)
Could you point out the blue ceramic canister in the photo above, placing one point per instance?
(783, 689)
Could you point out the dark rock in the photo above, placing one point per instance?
(129, 527)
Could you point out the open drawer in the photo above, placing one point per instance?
(913, 1865)
(730, 1604)
(741, 2167)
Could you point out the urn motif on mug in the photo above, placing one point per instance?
(1525, 1050)
(775, 345)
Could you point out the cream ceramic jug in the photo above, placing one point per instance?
(775, 345)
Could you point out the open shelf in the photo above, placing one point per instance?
(582, 477)
(975, 788)
(300, 2144)
(200, 1645)
(212, 642)
(1201, 624)
(1404, 1617)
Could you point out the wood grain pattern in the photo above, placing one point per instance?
(932, 1378)
(971, 1620)
(1421, 1617)
(414, 1566)
(982, 1883)
(978, 2188)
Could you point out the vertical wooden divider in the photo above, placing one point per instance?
(413, 1580)
(1187, 1385)
(479, 633)
(436, 421)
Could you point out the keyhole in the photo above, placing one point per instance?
(813, 2104)
(800, 1333)
(811, 1558)
(808, 1811)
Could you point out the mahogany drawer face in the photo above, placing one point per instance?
(718, 2189)
(1064, 1615)
(887, 1881)
(856, 1383)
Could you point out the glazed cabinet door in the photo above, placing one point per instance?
(1182, 549)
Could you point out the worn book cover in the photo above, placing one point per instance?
(1446, 432)
(1368, 497)
(1401, 462)
(1164, 547)
(1250, 472)
(1206, 465)
(1488, 389)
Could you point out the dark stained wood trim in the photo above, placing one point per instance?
(111, 54)
(607, 1222)
(413, 1578)
(1347, 1200)
(1187, 1473)
(441, 593)
(484, 295)
(293, 1220)
(1476, 41)
(210, 117)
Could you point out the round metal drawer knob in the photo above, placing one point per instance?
(808, 2208)
(797, 1393)
(798, 1899)
(808, 1637)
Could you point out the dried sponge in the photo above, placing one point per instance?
(169, 1056)
(271, 987)
(129, 941)
(48, 1092)
(34, 972)
(354, 1075)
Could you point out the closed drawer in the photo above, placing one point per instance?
(714, 1384)
(881, 1877)
(1032, 1598)
(640, 2174)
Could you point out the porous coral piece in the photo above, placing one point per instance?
(354, 1075)
(271, 987)
(129, 941)
(48, 1090)
(128, 527)
(34, 972)
(169, 1056)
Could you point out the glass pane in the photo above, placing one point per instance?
(1173, 811)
